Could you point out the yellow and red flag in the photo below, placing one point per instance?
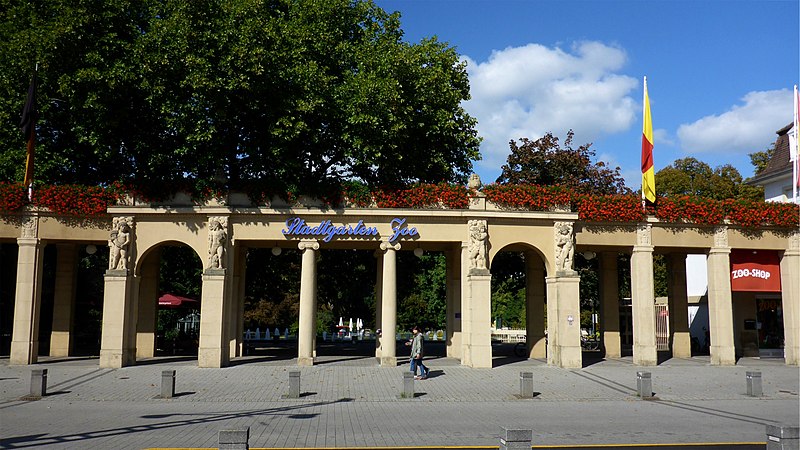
(648, 172)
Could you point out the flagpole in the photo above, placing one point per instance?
(796, 160)
(644, 111)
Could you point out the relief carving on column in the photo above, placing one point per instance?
(118, 242)
(721, 237)
(644, 234)
(794, 242)
(308, 245)
(564, 246)
(217, 238)
(30, 227)
(478, 240)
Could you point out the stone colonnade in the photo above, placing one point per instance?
(129, 325)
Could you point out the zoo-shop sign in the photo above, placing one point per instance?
(297, 227)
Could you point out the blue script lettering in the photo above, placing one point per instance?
(398, 230)
(297, 227)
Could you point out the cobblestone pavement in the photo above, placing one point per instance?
(349, 401)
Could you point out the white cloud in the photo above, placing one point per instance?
(744, 128)
(530, 90)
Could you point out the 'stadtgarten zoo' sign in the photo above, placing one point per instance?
(327, 231)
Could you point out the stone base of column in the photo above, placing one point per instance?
(645, 355)
(571, 357)
(681, 345)
(305, 361)
(113, 359)
(24, 353)
(612, 344)
(210, 358)
(539, 348)
(723, 356)
(59, 343)
(388, 361)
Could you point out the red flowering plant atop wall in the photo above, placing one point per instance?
(682, 208)
(423, 196)
(609, 208)
(13, 197)
(76, 200)
(527, 196)
(749, 214)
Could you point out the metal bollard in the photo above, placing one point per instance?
(167, 383)
(644, 385)
(234, 439)
(754, 388)
(515, 439)
(783, 437)
(408, 385)
(526, 384)
(294, 385)
(38, 382)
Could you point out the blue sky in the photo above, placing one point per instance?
(720, 73)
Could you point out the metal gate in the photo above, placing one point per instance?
(662, 327)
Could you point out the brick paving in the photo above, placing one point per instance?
(347, 400)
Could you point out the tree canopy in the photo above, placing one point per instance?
(545, 162)
(278, 93)
(689, 176)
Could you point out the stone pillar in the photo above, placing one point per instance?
(477, 323)
(609, 304)
(64, 300)
(453, 303)
(564, 320)
(308, 303)
(643, 299)
(116, 347)
(28, 298)
(535, 287)
(678, 306)
(389, 305)
(378, 301)
(147, 321)
(464, 335)
(213, 350)
(790, 292)
(720, 305)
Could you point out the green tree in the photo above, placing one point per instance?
(759, 160)
(283, 93)
(545, 162)
(689, 176)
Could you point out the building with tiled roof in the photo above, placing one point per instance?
(776, 178)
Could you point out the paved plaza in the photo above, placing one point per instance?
(347, 401)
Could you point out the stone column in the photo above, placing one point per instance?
(453, 303)
(720, 305)
(389, 305)
(213, 350)
(609, 304)
(28, 298)
(464, 335)
(64, 299)
(564, 320)
(643, 299)
(116, 347)
(478, 322)
(118, 338)
(678, 306)
(378, 301)
(146, 324)
(535, 287)
(308, 303)
(790, 293)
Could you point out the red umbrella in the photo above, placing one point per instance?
(175, 301)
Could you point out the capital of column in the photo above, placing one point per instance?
(721, 237)
(794, 244)
(308, 245)
(389, 246)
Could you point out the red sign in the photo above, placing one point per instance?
(755, 271)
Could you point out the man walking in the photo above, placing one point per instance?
(417, 352)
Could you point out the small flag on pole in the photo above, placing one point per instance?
(28, 126)
(648, 172)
